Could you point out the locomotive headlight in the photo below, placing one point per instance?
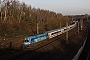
(25, 38)
(28, 38)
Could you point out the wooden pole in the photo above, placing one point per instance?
(81, 23)
(60, 24)
(67, 33)
(37, 29)
(78, 26)
(37, 25)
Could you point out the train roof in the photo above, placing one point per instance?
(59, 29)
(38, 35)
(41, 35)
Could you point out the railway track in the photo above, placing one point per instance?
(86, 50)
(41, 50)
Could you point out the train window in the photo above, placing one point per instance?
(65, 29)
(52, 33)
(56, 33)
(32, 39)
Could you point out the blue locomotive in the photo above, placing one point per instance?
(33, 39)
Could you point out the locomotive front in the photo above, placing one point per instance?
(27, 41)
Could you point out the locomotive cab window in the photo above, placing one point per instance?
(52, 33)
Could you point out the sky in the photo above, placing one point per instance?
(65, 7)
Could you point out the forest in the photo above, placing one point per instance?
(19, 18)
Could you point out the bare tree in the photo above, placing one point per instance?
(5, 17)
(0, 10)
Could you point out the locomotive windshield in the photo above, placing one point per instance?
(26, 41)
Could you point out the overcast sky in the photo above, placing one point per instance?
(65, 7)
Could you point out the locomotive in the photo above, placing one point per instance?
(47, 35)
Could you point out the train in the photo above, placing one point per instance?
(28, 40)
